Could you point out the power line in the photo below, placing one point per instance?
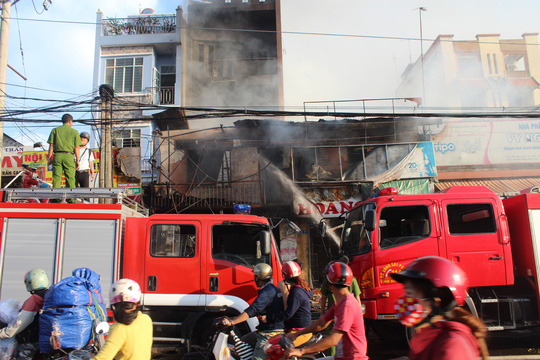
(290, 32)
(40, 89)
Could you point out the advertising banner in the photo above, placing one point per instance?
(38, 160)
(488, 142)
(12, 160)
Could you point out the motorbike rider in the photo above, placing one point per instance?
(298, 310)
(130, 337)
(348, 334)
(436, 288)
(26, 327)
(267, 303)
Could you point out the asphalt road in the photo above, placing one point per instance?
(517, 344)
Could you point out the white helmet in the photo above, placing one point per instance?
(36, 279)
(125, 290)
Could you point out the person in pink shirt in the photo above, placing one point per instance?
(348, 334)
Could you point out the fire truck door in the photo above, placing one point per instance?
(472, 240)
(406, 231)
(173, 262)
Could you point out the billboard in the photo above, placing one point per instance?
(488, 142)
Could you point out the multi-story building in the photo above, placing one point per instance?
(493, 80)
(485, 73)
(139, 57)
(231, 54)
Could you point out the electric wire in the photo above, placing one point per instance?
(285, 32)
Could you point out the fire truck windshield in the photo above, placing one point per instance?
(356, 239)
(238, 243)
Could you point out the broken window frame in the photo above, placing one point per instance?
(341, 149)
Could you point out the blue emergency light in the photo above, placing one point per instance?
(242, 209)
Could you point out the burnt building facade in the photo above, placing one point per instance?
(231, 54)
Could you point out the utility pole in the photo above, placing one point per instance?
(106, 93)
(4, 40)
(420, 9)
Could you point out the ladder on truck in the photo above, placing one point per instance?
(63, 194)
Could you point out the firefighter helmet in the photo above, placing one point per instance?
(339, 274)
(440, 272)
(262, 271)
(125, 290)
(36, 279)
(291, 269)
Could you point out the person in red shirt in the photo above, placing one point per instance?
(436, 289)
(348, 334)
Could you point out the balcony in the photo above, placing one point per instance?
(163, 95)
(139, 26)
(209, 195)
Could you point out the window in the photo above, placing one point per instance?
(211, 69)
(177, 241)
(403, 224)
(239, 244)
(489, 63)
(495, 64)
(126, 138)
(201, 52)
(515, 62)
(470, 219)
(356, 239)
(124, 74)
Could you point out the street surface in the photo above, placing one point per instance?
(517, 344)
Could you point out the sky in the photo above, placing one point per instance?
(58, 45)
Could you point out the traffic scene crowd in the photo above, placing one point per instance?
(435, 290)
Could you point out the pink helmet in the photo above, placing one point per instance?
(291, 269)
(125, 290)
(440, 272)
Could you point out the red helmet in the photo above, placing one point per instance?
(440, 272)
(291, 269)
(339, 274)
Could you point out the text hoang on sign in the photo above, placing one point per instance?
(303, 207)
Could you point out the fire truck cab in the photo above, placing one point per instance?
(466, 225)
(191, 268)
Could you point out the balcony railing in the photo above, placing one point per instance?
(210, 194)
(138, 26)
(163, 95)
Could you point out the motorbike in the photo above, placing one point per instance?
(30, 179)
(276, 347)
(86, 352)
(220, 347)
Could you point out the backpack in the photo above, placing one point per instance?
(71, 309)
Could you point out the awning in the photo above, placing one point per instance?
(528, 81)
(502, 187)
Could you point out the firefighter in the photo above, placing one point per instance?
(348, 334)
(267, 303)
(26, 327)
(130, 337)
(63, 143)
(436, 288)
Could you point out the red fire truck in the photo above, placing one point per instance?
(497, 243)
(191, 268)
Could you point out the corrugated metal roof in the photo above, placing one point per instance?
(502, 187)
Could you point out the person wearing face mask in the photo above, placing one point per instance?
(435, 291)
(130, 337)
